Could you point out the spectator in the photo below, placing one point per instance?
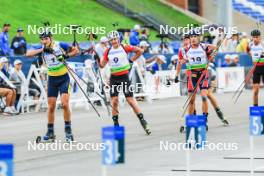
(19, 44)
(134, 35)
(6, 91)
(4, 46)
(102, 46)
(141, 61)
(243, 44)
(231, 60)
(100, 49)
(234, 60)
(173, 64)
(232, 43)
(164, 48)
(157, 66)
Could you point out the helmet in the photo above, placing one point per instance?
(255, 32)
(195, 32)
(185, 35)
(113, 35)
(44, 34)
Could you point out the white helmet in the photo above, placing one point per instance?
(112, 35)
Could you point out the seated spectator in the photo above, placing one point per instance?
(231, 60)
(19, 44)
(134, 35)
(173, 64)
(6, 91)
(234, 60)
(15, 77)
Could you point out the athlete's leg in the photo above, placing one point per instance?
(66, 107)
(212, 98)
(132, 102)
(204, 94)
(255, 94)
(256, 82)
(114, 101)
(51, 109)
(191, 108)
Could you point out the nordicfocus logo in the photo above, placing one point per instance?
(221, 146)
(59, 145)
(60, 29)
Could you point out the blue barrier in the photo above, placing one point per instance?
(244, 60)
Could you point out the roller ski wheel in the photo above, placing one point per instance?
(69, 138)
(182, 129)
(145, 126)
(46, 139)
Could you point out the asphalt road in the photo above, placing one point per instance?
(144, 155)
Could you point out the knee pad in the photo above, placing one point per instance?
(204, 98)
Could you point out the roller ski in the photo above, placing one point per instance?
(144, 124)
(48, 138)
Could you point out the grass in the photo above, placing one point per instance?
(86, 13)
(160, 11)
(82, 12)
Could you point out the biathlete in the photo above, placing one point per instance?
(195, 56)
(54, 55)
(117, 58)
(256, 51)
(211, 77)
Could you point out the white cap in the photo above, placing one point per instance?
(143, 43)
(163, 58)
(244, 34)
(227, 56)
(174, 57)
(3, 60)
(233, 56)
(103, 39)
(17, 61)
(137, 27)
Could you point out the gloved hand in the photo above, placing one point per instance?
(176, 79)
(62, 58)
(48, 50)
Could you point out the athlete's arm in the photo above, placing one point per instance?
(73, 52)
(179, 64)
(138, 51)
(102, 61)
(70, 50)
(32, 53)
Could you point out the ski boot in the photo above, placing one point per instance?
(69, 137)
(144, 124)
(221, 117)
(115, 120)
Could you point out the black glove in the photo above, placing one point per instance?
(176, 79)
(48, 50)
(63, 57)
(96, 57)
(130, 61)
